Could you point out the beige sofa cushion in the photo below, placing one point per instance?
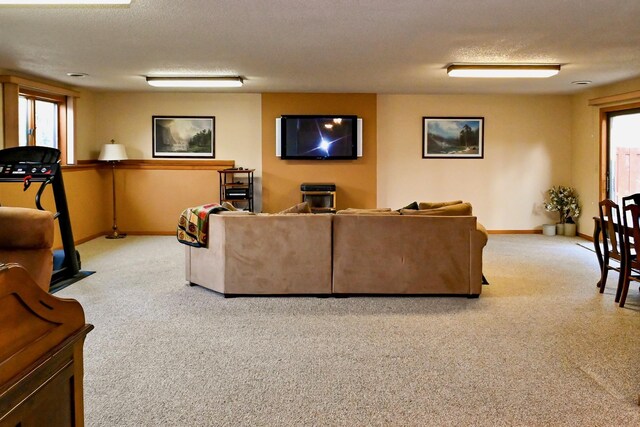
(374, 211)
(229, 206)
(299, 208)
(435, 205)
(407, 255)
(236, 212)
(459, 209)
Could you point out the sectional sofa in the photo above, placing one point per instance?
(353, 252)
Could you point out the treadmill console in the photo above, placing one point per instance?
(18, 171)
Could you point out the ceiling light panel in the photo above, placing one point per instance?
(62, 2)
(195, 82)
(503, 71)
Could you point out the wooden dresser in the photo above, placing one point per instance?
(41, 341)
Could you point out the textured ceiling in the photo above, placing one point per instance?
(377, 46)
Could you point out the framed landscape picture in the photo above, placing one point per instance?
(181, 136)
(452, 137)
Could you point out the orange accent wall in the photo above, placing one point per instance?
(84, 187)
(149, 201)
(355, 179)
(90, 214)
(150, 195)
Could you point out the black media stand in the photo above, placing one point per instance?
(320, 196)
(236, 187)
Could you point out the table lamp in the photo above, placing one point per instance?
(113, 153)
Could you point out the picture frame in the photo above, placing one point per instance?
(183, 137)
(453, 137)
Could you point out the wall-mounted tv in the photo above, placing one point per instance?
(330, 137)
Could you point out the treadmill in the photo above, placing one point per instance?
(42, 164)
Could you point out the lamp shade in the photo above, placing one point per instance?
(112, 153)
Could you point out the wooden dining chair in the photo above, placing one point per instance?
(613, 241)
(632, 264)
(633, 199)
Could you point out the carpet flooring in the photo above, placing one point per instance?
(540, 347)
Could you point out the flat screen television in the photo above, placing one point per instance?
(330, 137)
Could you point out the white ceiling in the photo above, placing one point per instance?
(374, 46)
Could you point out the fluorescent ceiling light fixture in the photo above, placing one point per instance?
(61, 2)
(503, 71)
(195, 81)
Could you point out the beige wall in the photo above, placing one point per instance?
(85, 126)
(531, 143)
(527, 149)
(126, 117)
(355, 179)
(585, 156)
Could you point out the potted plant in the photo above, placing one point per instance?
(565, 201)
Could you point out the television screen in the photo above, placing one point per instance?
(319, 137)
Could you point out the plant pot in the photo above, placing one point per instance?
(549, 229)
(570, 230)
(560, 229)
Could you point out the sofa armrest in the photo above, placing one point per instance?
(23, 228)
(26, 238)
(483, 231)
(478, 241)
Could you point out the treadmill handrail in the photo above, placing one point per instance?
(39, 195)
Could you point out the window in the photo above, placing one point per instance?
(39, 119)
(623, 153)
(38, 114)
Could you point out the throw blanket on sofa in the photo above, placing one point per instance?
(194, 224)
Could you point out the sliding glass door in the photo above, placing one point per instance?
(623, 166)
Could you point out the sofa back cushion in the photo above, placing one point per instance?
(412, 205)
(459, 209)
(435, 205)
(234, 213)
(299, 208)
(374, 211)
